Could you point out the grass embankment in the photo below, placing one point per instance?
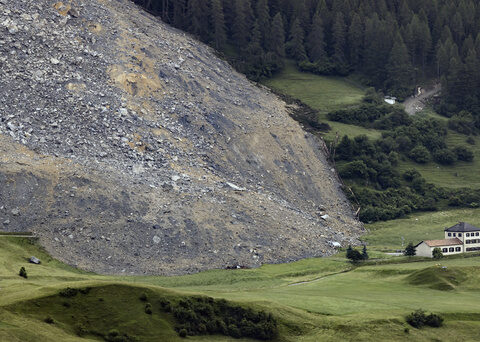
(316, 299)
(322, 93)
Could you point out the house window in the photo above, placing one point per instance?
(468, 234)
(444, 250)
(477, 234)
(451, 249)
(459, 234)
(454, 234)
(449, 234)
(468, 241)
(458, 249)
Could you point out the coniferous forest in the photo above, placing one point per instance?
(393, 43)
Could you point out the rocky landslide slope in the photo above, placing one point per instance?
(127, 146)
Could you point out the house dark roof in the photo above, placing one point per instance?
(446, 242)
(462, 227)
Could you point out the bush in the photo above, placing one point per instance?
(410, 250)
(463, 153)
(234, 331)
(143, 297)
(420, 154)
(204, 315)
(23, 272)
(148, 309)
(354, 169)
(419, 319)
(462, 122)
(182, 333)
(353, 255)
(444, 157)
(85, 290)
(437, 253)
(68, 292)
(470, 141)
(49, 320)
(434, 321)
(80, 330)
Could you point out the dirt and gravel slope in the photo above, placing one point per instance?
(129, 147)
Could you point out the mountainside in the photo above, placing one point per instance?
(127, 146)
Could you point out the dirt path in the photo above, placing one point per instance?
(319, 278)
(416, 104)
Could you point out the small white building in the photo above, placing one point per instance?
(448, 247)
(460, 238)
(390, 100)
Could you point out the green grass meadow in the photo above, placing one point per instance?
(322, 93)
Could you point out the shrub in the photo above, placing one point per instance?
(420, 154)
(353, 255)
(143, 297)
(183, 333)
(23, 272)
(437, 253)
(234, 331)
(80, 330)
(419, 319)
(85, 290)
(68, 292)
(416, 319)
(470, 141)
(49, 320)
(410, 250)
(354, 169)
(434, 321)
(463, 153)
(148, 309)
(444, 157)
(113, 333)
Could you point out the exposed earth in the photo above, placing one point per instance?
(415, 104)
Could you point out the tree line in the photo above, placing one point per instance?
(393, 43)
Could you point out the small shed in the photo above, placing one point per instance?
(390, 100)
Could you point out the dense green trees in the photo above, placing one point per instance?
(393, 44)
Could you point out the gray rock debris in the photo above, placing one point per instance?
(151, 128)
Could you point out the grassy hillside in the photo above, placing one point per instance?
(324, 299)
(322, 93)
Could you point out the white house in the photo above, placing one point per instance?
(460, 238)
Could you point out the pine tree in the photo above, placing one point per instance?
(218, 24)
(399, 70)
(179, 13)
(316, 40)
(254, 53)
(278, 36)
(410, 250)
(349, 252)
(295, 46)
(365, 253)
(240, 24)
(263, 17)
(339, 43)
(355, 40)
(198, 18)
